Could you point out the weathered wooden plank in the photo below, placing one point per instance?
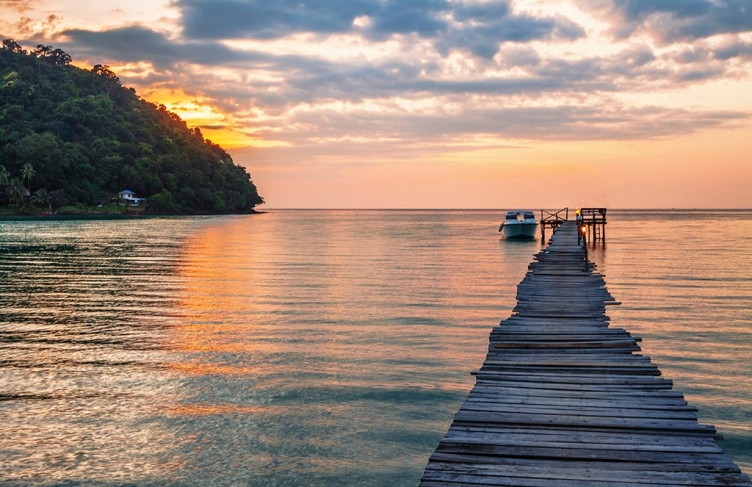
(555, 392)
(556, 464)
(599, 344)
(582, 454)
(532, 441)
(545, 334)
(577, 475)
(546, 378)
(574, 368)
(575, 401)
(583, 436)
(578, 409)
(619, 423)
(576, 390)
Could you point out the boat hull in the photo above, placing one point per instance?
(520, 231)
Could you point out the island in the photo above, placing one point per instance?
(76, 140)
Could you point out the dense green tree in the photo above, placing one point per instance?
(57, 199)
(162, 202)
(43, 51)
(60, 58)
(28, 172)
(106, 78)
(55, 57)
(16, 191)
(41, 152)
(42, 198)
(12, 46)
(4, 176)
(86, 137)
(4, 180)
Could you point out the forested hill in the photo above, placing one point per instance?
(70, 136)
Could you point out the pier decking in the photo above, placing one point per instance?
(564, 399)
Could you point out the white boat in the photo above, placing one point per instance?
(519, 225)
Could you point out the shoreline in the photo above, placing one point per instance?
(112, 216)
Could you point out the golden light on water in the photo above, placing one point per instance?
(215, 409)
(218, 302)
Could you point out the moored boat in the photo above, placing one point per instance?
(520, 225)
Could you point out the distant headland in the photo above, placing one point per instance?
(76, 142)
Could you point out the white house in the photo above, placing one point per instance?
(129, 197)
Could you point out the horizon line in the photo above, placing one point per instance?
(500, 209)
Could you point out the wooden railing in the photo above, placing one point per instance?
(552, 220)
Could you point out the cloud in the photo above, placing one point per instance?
(258, 19)
(675, 20)
(140, 44)
(481, 34)
(230, 19)
(738, 49)
(393, 138)
(565, 122)
(33, 28)
(477, 28)
(303, 79)
(18, 5)
(293, 81)
(420, 17)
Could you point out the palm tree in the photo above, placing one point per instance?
(28, 172)
(4, 176)
(42, 198)
(16, 191)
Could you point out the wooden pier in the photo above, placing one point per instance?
(552, 220)
(563, 399)
(594, 221)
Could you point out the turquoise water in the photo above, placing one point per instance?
(318, 347)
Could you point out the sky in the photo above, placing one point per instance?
(440, 103)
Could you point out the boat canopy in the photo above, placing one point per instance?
(514, 215)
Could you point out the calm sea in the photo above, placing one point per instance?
(318, 348)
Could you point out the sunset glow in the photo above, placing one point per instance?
(468, 103)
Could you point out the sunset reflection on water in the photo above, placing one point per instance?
(354, 328)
